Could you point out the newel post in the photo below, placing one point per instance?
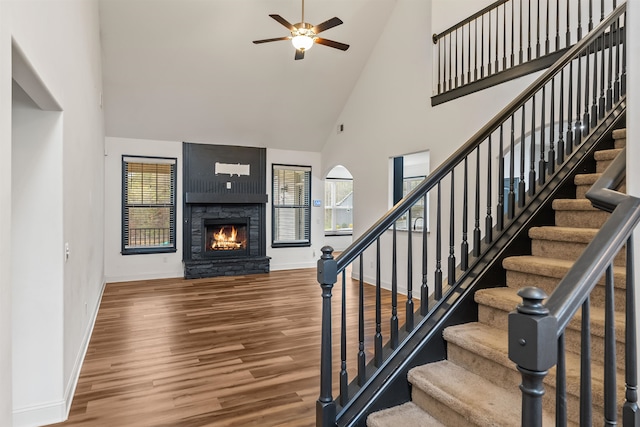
(533, 346)
(327, 276)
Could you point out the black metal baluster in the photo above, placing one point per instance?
(590, 15)
(450, 69)
(529, 30)
(462, 56)
(496, 67)
(568, 25)
(546, 42)
(557, 25)
(362, 376)
(630, 410)
(378, 337)
(451, 274)
(610, 388)
(561, 120)
(561, 385)
(586, 122)
(616, 86)
(513, 33)
(610, 74)
(521, 184)
(488, 44)
(542, 167)
(623, 77)
(511, 203)
(424, 287)
(551, 157)
(456, 61)
(569, 138)
(437, 285)
(500, 207)
(488, 222)
(464, 247)
(469, 56)
(409, 303)
(579, 20)
(476, 226)
(440, 65)
(538, 30)
(578, 125)
(521, 51)
(504, 36)
(601, 102)
(344, 377)
(594, 89)
(532, 149)
(393, 324)
(482, 46)
(475, 53)
(585, 366)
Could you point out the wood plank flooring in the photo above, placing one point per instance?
(227, 351)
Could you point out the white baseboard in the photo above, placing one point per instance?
(293, 266)
(145, 276)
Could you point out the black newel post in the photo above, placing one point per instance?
(327, 276)
(533, 347)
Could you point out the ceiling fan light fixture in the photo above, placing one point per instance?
(302, 42)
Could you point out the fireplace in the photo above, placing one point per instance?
(224, 230)
(226, 237)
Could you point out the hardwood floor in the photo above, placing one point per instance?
(227, 351)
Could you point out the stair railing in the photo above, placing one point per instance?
(505, 165)
(509, 39)
(536, 329)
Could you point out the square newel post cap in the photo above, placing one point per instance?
(327, 267)
(533, 341)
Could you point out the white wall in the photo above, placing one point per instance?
(60, 40)
(6, 400)
(120, 267)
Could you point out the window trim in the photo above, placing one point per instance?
(275, 206)
(173, 161)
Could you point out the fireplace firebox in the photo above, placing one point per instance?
(226, 237)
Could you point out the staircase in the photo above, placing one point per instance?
(477, 385)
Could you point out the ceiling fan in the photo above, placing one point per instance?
(304, 35)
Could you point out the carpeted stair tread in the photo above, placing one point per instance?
(586, 178)
(563, 234)
(479, 401)
(406, 415)
(573, 205)
(619, 133)
(492, 344)
(604, 155)
(552, 267)
(507, 299)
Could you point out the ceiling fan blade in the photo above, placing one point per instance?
(271, 40)
(299, 54)
(284, 22)
(333, 22)
(331, 43)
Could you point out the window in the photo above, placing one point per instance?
(148, 205)
(291, 216)
(338, 209)
(408, 172)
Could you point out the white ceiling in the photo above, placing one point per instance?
(187, 70)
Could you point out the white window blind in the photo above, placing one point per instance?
(291, 205)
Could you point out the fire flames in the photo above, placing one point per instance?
(226, 242)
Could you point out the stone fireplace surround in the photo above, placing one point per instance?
(221, 197)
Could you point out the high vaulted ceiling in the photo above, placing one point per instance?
(187, 70)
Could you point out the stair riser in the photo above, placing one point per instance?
(510, 378)
(581, 219)
(620, 143)
(518, 280)
(602, 165)
(438, 410)
(497, 318)
(566, 250)
(581, 190)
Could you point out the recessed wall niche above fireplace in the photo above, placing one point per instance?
(224, 210)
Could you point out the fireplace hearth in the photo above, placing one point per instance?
(224, 211)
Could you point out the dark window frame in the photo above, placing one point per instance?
(306, 241)
(126, 249)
